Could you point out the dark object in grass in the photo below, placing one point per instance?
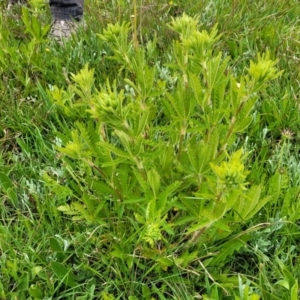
(13, 2)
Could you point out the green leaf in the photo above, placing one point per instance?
(24, 147)
(288, 276)
(143, 184)
(165, 262)
(214, 211)
(99, 186)
(252, 204)
(145, 75)
(23, 282)
(277, 183)
(85, 297)
(8, 188)
(283, 283)
(132, 200)
(154, 181)
(63, 274)
(191, 205)
(167, 193)
(126, 141)
(215, 71)
(36, 270)
(222, 226)
(202, 223)
(243, 124)
(55, 245)
(254, 297)
(185, 220)
(5, 181)
(227, 249)
(11, 194)
(114, 149)
(182, 101)
(36, 291)
(106, 296)
(295, 291)
(146, 292)
(151, 212)
(139, 218)
(143, 120)
(197, 89)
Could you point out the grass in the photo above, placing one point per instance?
(48, 252)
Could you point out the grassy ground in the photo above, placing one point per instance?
(51, 253)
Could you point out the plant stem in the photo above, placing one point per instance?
(135, 41)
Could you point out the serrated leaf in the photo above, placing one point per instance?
(253, 203)
(114, 149)
(192, 154)
(247, 108)
(215, 71)
(143, 119)
(182, 102)
(154, 181)
(243, 124)
(114, 162)
(185, 220)
(227, 249)
(143, 184)
(139, 218)
(65, 208)
(167, 193)
(151, 210)
(190, 205)
(100, 186)
(222, 226)
(197, 88)
(168, 109)
(275, 185)
(125, 140)
(215, 211)
(199, 225)
(81, 211)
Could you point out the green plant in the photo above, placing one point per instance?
(150, 162)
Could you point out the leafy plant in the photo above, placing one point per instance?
(152, 162)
